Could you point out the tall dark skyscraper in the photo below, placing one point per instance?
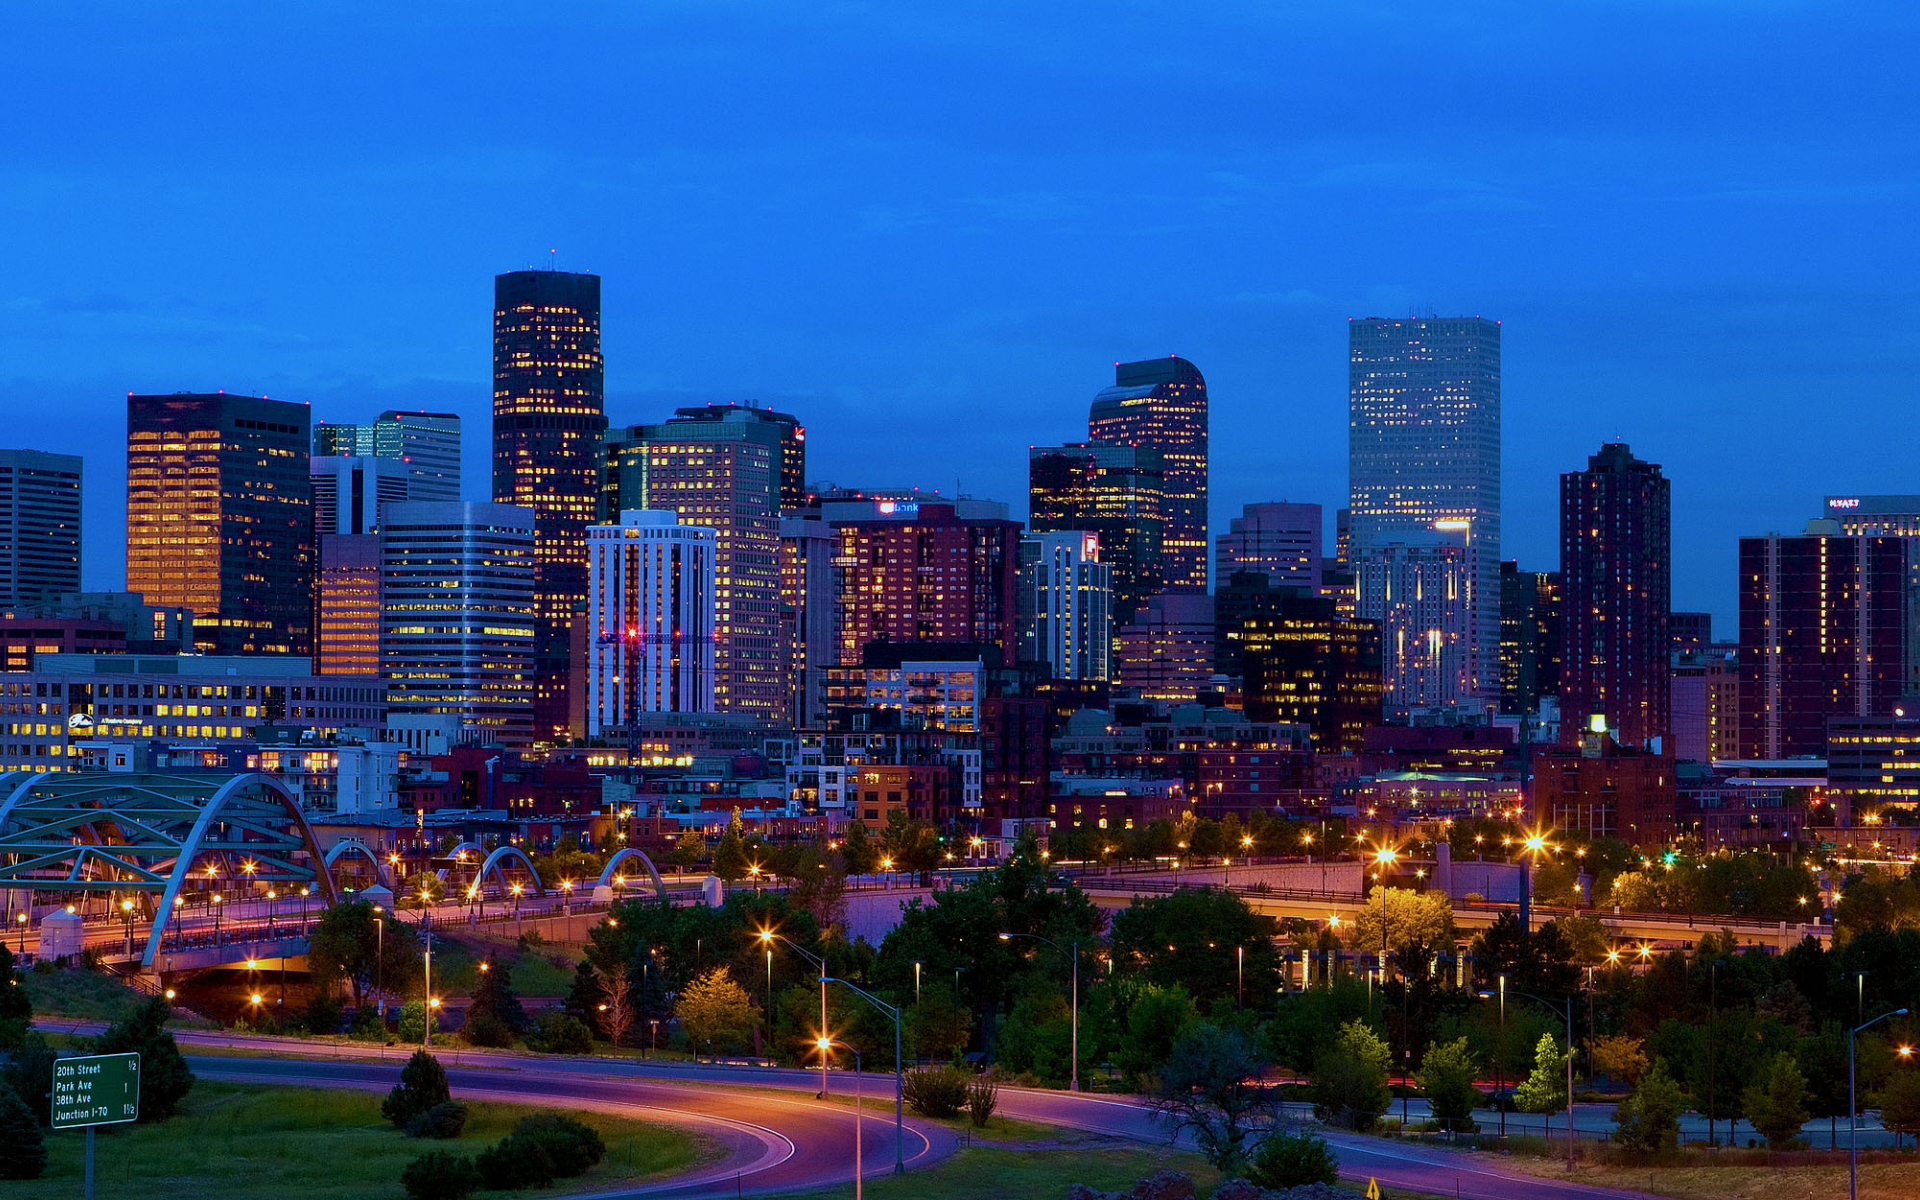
(1116, 492)
(220, 518)
(1423, 454)
(1162, 404)
(1616, 563)
(39, 526)
(1821, 631)
(549, 419)
(1529, 637)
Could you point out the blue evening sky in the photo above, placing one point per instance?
(930, 230)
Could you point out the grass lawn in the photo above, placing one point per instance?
(245, 1142)
(983, 1173)
(83, 995)
(1723, 1181)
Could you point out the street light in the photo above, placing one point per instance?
(1074, 1080)
(767, 937)
(1549, 1004)
(826, 1045)
(1853, 1111)
(899, 1076)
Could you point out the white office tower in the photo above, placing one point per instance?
(1423, 451)
(456, 630)
(349, 491)
(1280, 541)
(650, 618)
(1066, 605)
(428, 443)
(1420, 589)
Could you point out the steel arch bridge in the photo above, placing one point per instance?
(148, 832)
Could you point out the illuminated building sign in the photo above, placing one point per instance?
(1849, 503)
(900, 508)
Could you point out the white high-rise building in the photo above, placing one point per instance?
(650, 618)
(1281, 541)
(456, 630)
(1423, 453)
(39, 526)
(1420, 588)
(1066, 605)
(349, 490)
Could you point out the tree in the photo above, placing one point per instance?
(1350, 1079)
(615, 1009)
(164, 1077)
(495, 1017)
(1899, 1103)
(817, 887)
(1400, 919)
(1153, 1021)
(1648, 1120)
(29, 1072)
(1618, 1056)
(730, 856)
(1447, 1077)
(688, 850)
(857, 850)
(938, 1028)
(1211, 1086)
(23, 1148)
(716, 1009)
(16, 1008)
(1541, 962)
(423, 1084)
(1776, 1103)
(441, 1175)
(1545, 1090)
(348, 946)
(1210, 942)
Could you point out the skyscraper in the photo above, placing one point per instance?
(1117, 493)
(1281, 541)
(1414, 587)
(457, 633)
(1167, 649)
(928, 574)
(1616, 564)
(429, 443)
(721, 467)
(1066, 605)
(220, 518)
(39, 526)
(350, 492)
(1424, 447)
(1529, 637)
(1162, 404)
(1821, 632)
(1300, 661)
(549, 417)
(650, 593)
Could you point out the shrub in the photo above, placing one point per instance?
(441, 1122)
(555, 1032)
(423, 1084)
(440, 1176)
(23, 1148)
(164, 1077)
(413, 1021)
(935, 1091)
(542, 1148)
(983, 1096)
(1289, 1160)
(485, 1029)
(323, 1014)
(29, 1073)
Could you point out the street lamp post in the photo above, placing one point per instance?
(1569, 1013)
(899, 1076)
(1853, 1111)
(380, 967)
(767, 936)
(826, 1045)
(1073, 1084)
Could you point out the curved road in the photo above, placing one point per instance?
(777, 1137)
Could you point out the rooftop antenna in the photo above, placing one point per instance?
(553, 259)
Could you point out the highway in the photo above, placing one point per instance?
(777, 1138)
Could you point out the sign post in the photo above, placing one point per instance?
(95, 1089)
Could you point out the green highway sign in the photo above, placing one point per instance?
(96, 1089)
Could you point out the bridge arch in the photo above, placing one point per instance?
(142, 832)
(492, 864)
(607, 873)
(353, 848)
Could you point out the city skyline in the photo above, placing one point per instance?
(956, 278)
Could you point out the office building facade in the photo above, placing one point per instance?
(1066, 605)
(1416, 589)
(1118, 494)
(1617, 566)
(924, 573)
(1423, 453)
(458, 628)
(428, 443)
(1281, 541)
(549, 419)
(1300, 662)
(220, 518)
(720, 468)
(650, 606)
(1529, 656)
(1161, 404)
(1166, 651)
(1822, 623)
(39, 526)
